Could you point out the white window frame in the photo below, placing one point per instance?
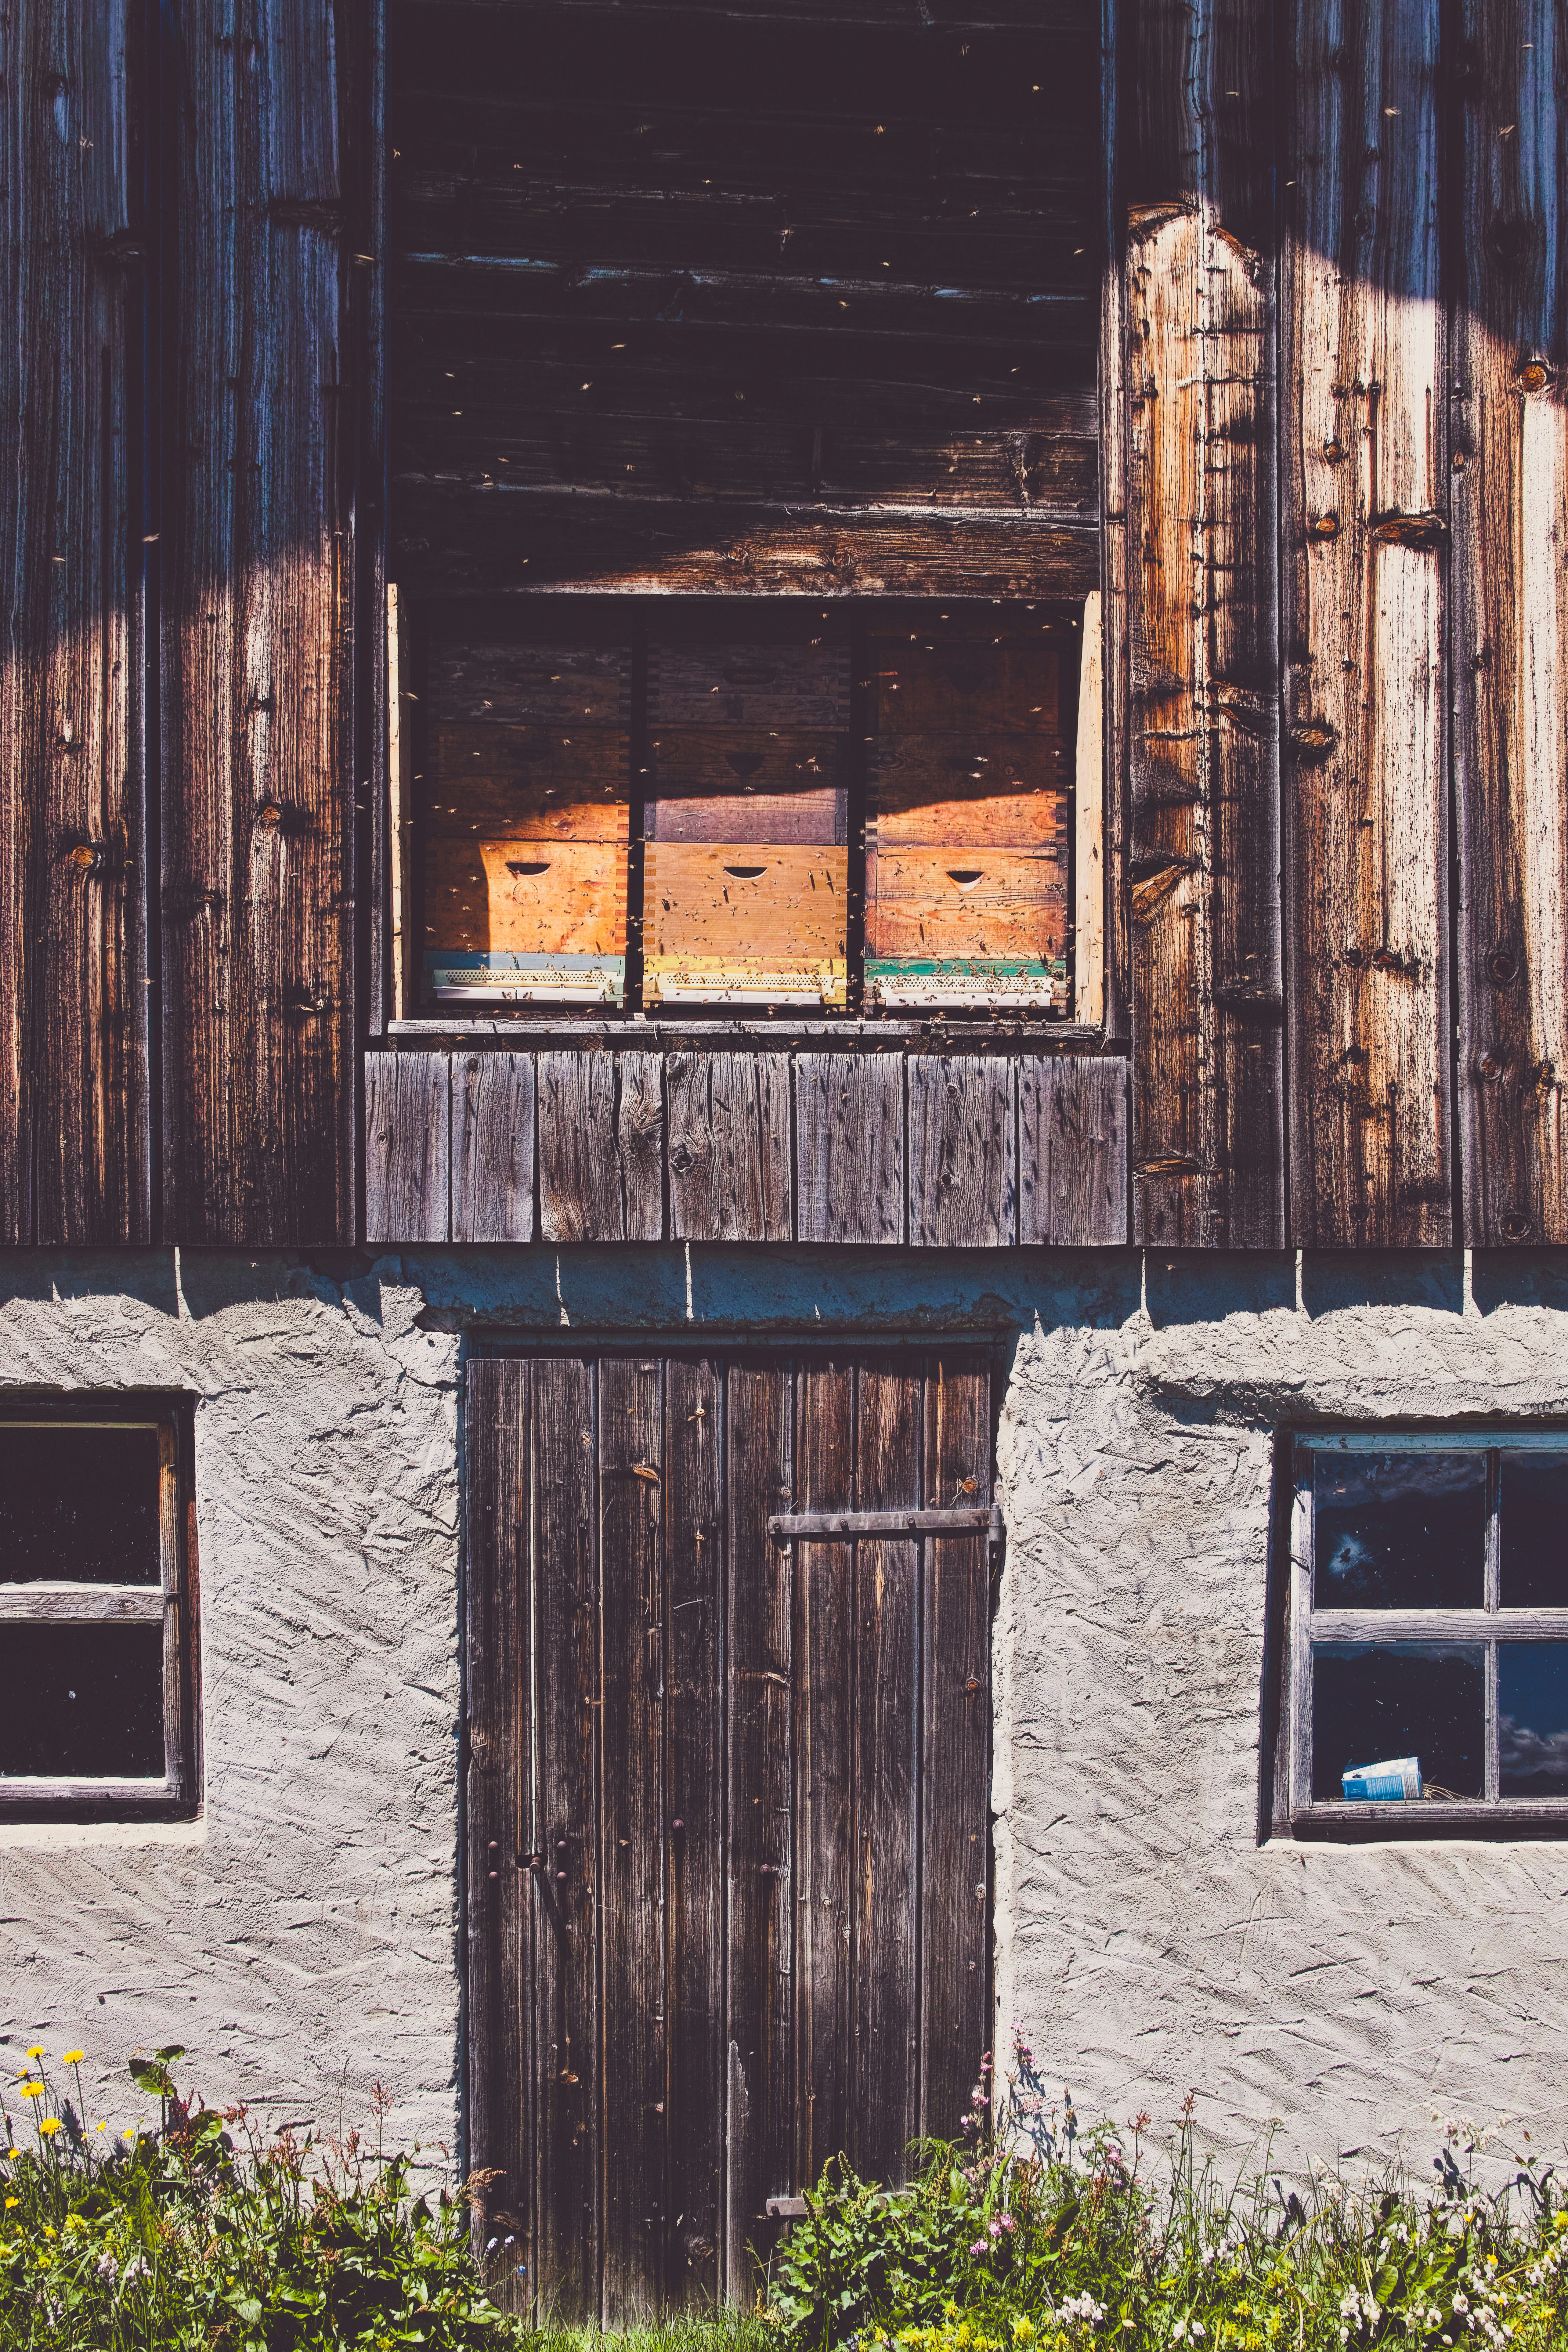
(1484, 1628)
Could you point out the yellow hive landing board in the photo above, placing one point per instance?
(744, 921)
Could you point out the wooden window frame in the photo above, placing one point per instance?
(56, 1601)
(1490, 1814)
(1089, 829)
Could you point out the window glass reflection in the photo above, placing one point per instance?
(1532, 1718)
(1400, 1530)
(1373, 1701)
(1534, 1570)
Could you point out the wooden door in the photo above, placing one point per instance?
(727, 1825)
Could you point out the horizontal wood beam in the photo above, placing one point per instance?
(59, 1604)
(819, 1527)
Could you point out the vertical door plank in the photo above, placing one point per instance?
(1089, 771)
(407, 1148)
(1072, 1151)
(824, 1640)
(256, 563)
(633, 1840)
(500, 1887)
(964, 1174)
(885, 2116)
(849, 1125)
(73, 995)
(955, 1712)
(1510, 622)
(730, 1147)
(601, 1147)
(493, 1146)
(694, 1801)
(761, 2091)
(564, 1505)
(1365, 504)
(1208, 1155)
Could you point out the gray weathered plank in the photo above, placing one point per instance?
(1364, 505)
(1510, 421)
(729, 1147)
(407, 1148)
(493, 1146)
(964, 1173)
(81, 1604)
(850, 1147)
(601, 1147)
(1072, 1151)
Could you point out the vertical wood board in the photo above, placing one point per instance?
(1510, 473)
(964, 1158)
(407, 1148)
(1364, 527)
(601, 1147)
(849, 1129)
(493, 1146)
(1072, 1151)
(1208, 1160)
(729, 1148)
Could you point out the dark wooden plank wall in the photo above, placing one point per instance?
(73, 950)
(720, 302)
(731, 1147)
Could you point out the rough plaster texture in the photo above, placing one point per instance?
(304, 1935)
(299, 1939)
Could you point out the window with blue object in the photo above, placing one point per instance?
(1428, 1653)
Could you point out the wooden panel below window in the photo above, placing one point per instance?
(741, 919)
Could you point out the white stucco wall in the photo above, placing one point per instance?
(299, 1939)
(303, 1938)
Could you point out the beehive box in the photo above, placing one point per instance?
(744, 922)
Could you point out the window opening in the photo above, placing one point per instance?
(95, 1606)
(861, 808)
(1428, 1653)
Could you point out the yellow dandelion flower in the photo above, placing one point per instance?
(32, 2090)
(101, 2128)
(72, 2057)
(1022, 2330)
(12, 2200)
(50, 2125)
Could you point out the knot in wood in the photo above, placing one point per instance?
(88, 857)
(1534, 375)
(1502, 966)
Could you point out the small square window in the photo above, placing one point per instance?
(97, 1618)
(1426, 1658)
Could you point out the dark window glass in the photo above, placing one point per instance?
(81, 1504)
(83, 1700)
(1373, 1701)
(1532, 1718)
(1533, 1572)
(1400, 1531)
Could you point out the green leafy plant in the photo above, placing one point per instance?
(1036, 2235)
(206, 2231)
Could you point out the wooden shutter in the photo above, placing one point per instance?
(728, 1799)
(966, 844)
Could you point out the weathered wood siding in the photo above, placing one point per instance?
(746, 301)
(1198, 417)
(74, 263)
(1002, 1150)
(1509, 508)
(1365, 534)
(258, 819)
